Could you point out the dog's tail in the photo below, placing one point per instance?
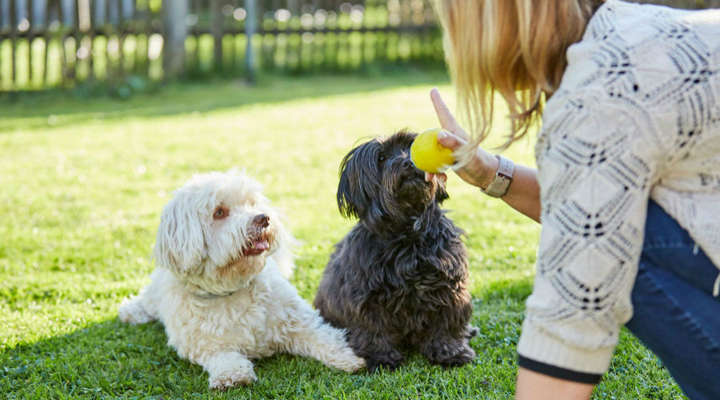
(133, 311)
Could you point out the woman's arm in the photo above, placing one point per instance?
(523, 194)
(534, 386)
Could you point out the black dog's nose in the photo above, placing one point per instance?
(261, 221)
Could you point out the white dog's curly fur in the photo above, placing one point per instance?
(220, 287)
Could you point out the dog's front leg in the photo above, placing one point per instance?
(376, 348)
(448, 351)
(227, 369)
(321, 341)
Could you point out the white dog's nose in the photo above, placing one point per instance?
(261, 221)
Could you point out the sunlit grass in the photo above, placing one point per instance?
(84, 181)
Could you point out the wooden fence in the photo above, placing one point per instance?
(301, 35)
(49, 43)
(46, 43)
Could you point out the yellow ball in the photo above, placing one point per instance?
(429, 155)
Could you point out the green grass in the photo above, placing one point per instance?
(83, 183)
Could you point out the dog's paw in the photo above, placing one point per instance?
(472, 331)
(229, 379)
(464, 356)
(390, 361)
(348, 362)
(451, 356)
(131, 311)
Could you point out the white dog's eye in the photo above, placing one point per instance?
(221, 212)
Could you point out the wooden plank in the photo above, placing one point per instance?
(31, 36)
(74, 18)
(86, 29)
(4, 15)
(4, 22)
(274, 42)
(295, 45)
(61, 39)
(109, 32)
(120, 38)
(216, 30)
(4, 11)
(75, 33)
(143, 46)
(13, 44)
(46, 39)
(229, 43)
(198, 11)
(250, 29)
(175, 13)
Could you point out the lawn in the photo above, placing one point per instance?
(83, 184)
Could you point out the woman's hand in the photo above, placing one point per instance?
(524, 192)
(480, 171)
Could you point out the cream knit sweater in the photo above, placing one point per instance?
(637, 115)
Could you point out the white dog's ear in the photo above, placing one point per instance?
(180, 243)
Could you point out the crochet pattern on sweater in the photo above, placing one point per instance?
(637, 116)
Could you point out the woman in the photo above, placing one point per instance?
(628, 179)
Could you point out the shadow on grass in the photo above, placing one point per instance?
(53, 109)
(114, 359)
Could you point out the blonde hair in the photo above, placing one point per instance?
(513, 47)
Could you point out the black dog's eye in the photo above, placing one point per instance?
(381, 158)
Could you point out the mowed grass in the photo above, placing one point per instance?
(84, 181)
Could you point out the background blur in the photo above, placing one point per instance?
(128, 43)
(47, 43)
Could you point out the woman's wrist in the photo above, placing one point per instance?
(484, 169)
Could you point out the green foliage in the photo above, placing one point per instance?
(83, 185)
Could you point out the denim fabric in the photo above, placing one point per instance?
(675, 314)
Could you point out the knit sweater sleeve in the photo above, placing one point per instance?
(597, 157)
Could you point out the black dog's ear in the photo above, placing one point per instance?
(358, 179)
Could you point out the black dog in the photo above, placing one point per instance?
(398, 279)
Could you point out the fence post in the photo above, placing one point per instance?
(175, 28)
(4, 14)
(216, 30)
(250, 29)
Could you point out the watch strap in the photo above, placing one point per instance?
(503, 178)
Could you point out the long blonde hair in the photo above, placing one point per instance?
(513, 47)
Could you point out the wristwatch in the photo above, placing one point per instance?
(503, 178)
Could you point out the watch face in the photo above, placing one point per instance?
(498, 187)
(503, 178)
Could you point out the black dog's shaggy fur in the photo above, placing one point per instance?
(398, 279)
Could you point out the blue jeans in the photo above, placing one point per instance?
(675, 314)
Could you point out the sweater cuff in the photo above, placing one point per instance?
(548, 355)
(557, 372)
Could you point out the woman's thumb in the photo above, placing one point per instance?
(448, 140)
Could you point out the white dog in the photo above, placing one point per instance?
(220, 286)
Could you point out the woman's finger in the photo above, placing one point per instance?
(440, 176)
(447, 120)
